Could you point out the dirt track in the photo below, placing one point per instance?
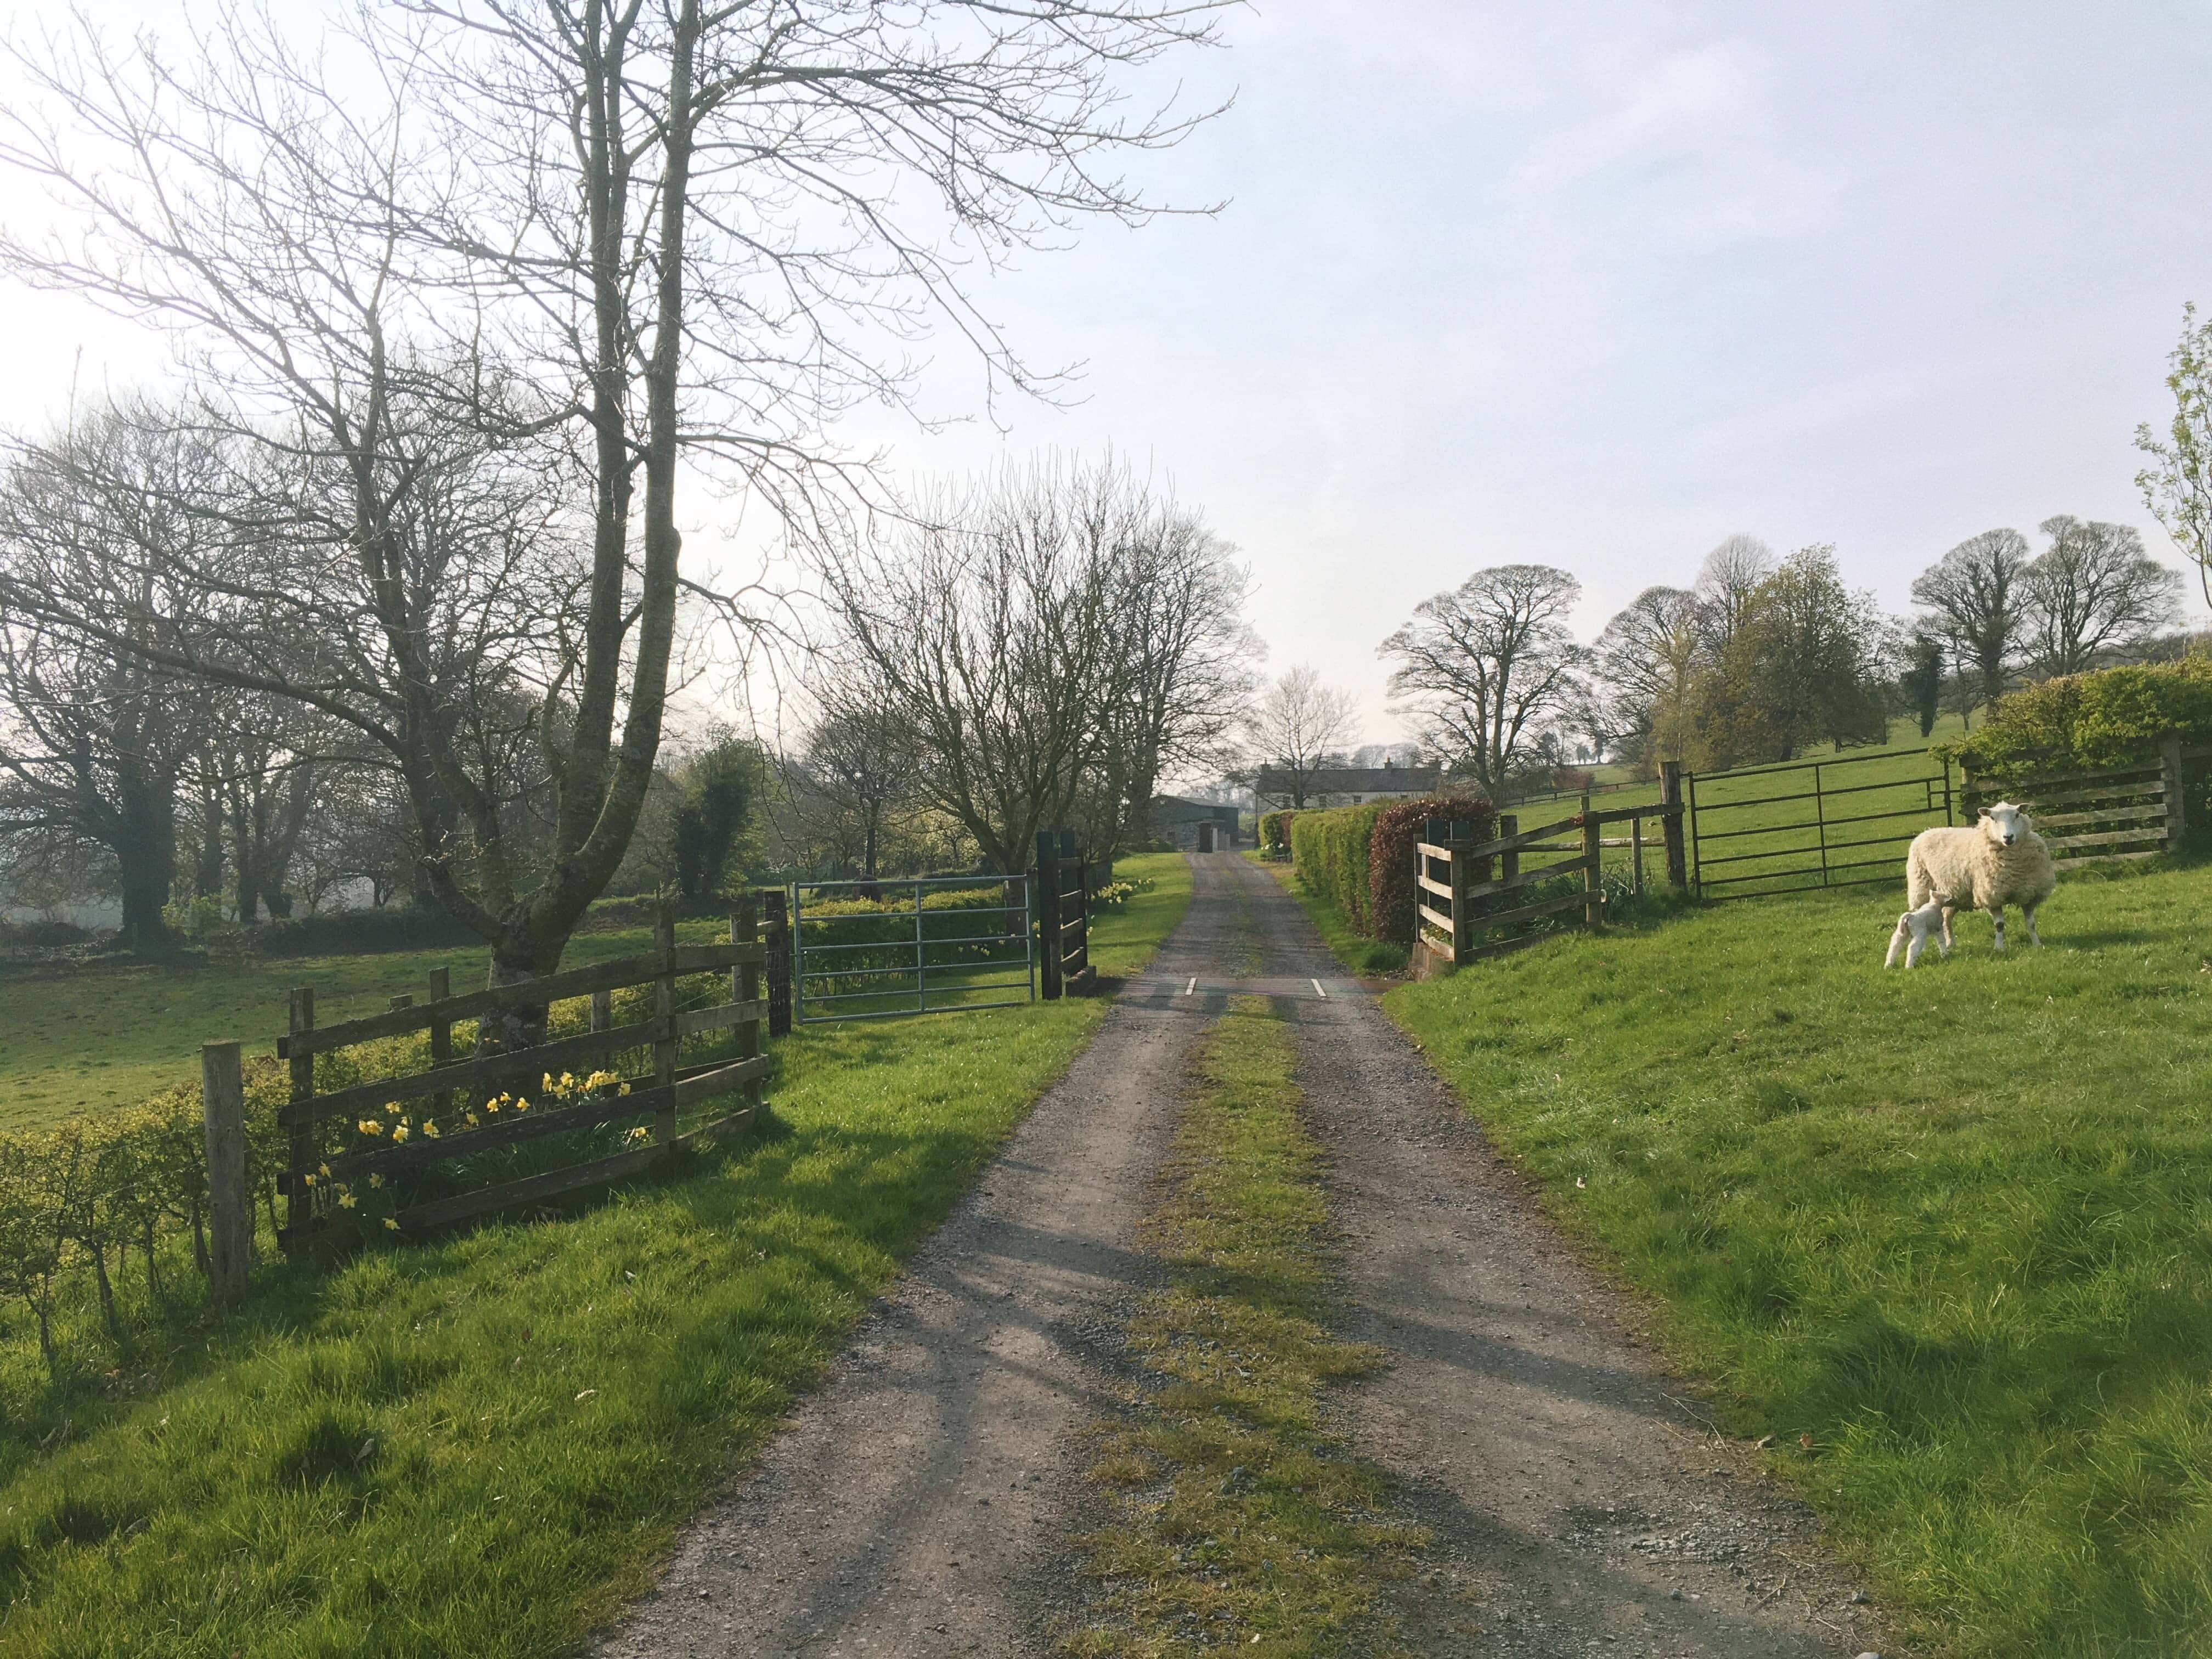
(922, 1500)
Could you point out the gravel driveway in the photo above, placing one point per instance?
(922, 1500)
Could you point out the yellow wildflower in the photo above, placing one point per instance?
(370, 1126)
(521, 1105)
(392, 1107)
(310, 1180)
(391, 1225)
(547, 1082)
(326, 1168)
(492, 1106)
(399, 1133)
(345, 1200)
(376, 1181)
(429, 1128)
(473, 1119)
(625, 1088)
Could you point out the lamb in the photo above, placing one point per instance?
(2001, 861)
(1911, 935)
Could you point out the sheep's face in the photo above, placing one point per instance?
(2004, 824)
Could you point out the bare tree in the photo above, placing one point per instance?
(2176, 487)
(1726, 581)
(1642, 665)
(2095, 591)
(580, 239)
(95, 733)
(1298, 726)
(1976, 597)
(858, 763)
(1484, 667)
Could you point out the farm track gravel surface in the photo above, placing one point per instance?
(923, 1499)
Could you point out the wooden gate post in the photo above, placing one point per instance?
(664, 1044)
(1670, 794)
(1048, 909)
(2177, 815)
(745, 986)
(1463, 932)
(1593, 877)
(230, 1214)
(778, 906)
(299, 1212)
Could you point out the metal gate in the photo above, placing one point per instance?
(887, 949)
(1843, 821)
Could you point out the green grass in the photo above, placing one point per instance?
(481, 1445)
(1238, 1518)
(1947, 1235)
(111, 1036)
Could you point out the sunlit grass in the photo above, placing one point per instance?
(1947, 1235)
(479, 1446)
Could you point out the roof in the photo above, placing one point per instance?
(1354, 780)
(1176, 807)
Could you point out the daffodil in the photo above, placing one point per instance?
(392, 1107)
(370, 1126)
(399, 1133)
(521, 1105)
(473, 1119)
(346, 1200)
(546, 1082)
(430, 1129)
(326, 1168)
(376, 1181)
(310, 1180)
(390, 1225)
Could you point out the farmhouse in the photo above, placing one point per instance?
(1276, 787)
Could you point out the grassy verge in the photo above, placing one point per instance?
(1358, 954)
(479, 1446)
(1239, 1518)
(1947, 1235)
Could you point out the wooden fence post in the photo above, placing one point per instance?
(230, 1209)
(778, 904)
(1463, 932)
(441, 1035)
(2177, 811)
(745, 986)
(1593, 877)
(664, 1045)
(299, 1212)
(1048, 909)
(1670, 794)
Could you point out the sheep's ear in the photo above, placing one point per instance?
(1983, 813)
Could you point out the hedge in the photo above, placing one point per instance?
(1362, 857)
(2083, 722)
(1393, 894)
(1329, 850)
(1275, 832)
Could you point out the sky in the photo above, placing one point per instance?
(1591, 286)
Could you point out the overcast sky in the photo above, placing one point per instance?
(1596, 286)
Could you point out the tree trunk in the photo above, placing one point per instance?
(145, 859)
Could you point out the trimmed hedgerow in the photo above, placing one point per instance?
(2112, 717)
(1275, 832)
(1392, 893)
(1329, 850)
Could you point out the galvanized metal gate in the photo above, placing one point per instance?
(1843, 821)
(887, 949)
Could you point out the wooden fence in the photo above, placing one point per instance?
(369, 1132)
(1464, 914)
(1063, 914)
(2119, 813)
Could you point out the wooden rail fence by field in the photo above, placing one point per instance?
(2113, 815)
(1464, 913)
(327, 1143)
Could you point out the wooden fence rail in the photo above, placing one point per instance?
(451, 1097)
(1463, 910)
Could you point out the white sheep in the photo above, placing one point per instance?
(2001, 861)
(1911, 935)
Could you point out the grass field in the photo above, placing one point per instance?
(1946, 1234)
(111, 1036)
(480, 1445)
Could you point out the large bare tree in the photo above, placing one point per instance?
(1298, 727)
(1643, 666)
(1726, 579)
(582, 237)
(1484, 667)
(2094, 593)
(1976, 597)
